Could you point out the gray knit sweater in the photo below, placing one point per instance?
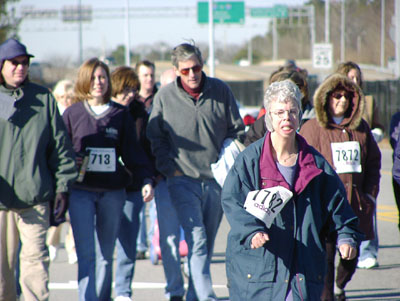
(186, 134)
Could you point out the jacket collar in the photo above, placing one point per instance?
(306, 171)
(16, 93)
(205, 83)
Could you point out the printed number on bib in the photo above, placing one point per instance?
(346, 156)
(266, 204)
(101, 159)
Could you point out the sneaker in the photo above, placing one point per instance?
(72, 258)
(140, 255)
(52, 252)
(340, 297)
(123, 298)
(367, 263)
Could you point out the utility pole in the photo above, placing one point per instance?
(382, 33)
(342, 31)
(250, 52)
(397, 39)
(127, 41)
(274, 40)
(327, 21)
(80, 32)
(311, 15)
(211, 38)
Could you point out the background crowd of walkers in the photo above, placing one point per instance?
(107, 143)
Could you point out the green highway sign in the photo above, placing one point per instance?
(277, 11)
(224, 12)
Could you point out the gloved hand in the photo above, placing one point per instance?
(58, 208)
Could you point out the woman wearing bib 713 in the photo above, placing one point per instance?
(104, 132)
(346, 141)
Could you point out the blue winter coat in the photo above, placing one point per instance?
(295, 253)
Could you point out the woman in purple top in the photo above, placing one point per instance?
(103, 132)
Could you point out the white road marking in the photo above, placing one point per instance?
(73, 285)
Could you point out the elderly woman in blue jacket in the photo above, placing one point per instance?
(281, 199)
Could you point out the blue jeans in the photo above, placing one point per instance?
(144, 236)
(369, 248)
(198, 204)
(126, 244)
(95, 219)
(170, 233)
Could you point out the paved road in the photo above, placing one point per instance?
(382, 283)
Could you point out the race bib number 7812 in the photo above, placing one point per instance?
(346, 156)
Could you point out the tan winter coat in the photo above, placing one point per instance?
(321, 131)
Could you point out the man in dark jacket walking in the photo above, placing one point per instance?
(37, 166)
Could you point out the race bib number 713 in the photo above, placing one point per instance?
(101, 159)
(266, 204)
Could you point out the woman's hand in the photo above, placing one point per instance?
(78, 161)
(147, 193)
(259, 239)
(347, 252)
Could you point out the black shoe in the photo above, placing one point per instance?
(176, 298)
(340, 297)
(140, 255)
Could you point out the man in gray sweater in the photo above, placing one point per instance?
(191, 118)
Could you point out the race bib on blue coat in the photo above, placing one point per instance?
(265, 204)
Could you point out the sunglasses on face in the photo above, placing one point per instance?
(339, 95)
(195, 69)
(15, 63)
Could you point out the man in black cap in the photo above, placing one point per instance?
(37, 166)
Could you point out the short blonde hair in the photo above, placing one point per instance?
(62, 87)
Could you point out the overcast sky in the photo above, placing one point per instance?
(48, 38)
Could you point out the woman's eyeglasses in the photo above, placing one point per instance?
(293, 113)
(195, 69)
(339, 95)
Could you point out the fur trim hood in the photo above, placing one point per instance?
(353, 116)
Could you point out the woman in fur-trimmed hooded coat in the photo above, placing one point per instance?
(348, 145)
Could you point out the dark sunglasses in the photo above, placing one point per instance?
(16, 63)
(339, 95)
(195, 69)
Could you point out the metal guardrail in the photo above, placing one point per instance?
(386, 93)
